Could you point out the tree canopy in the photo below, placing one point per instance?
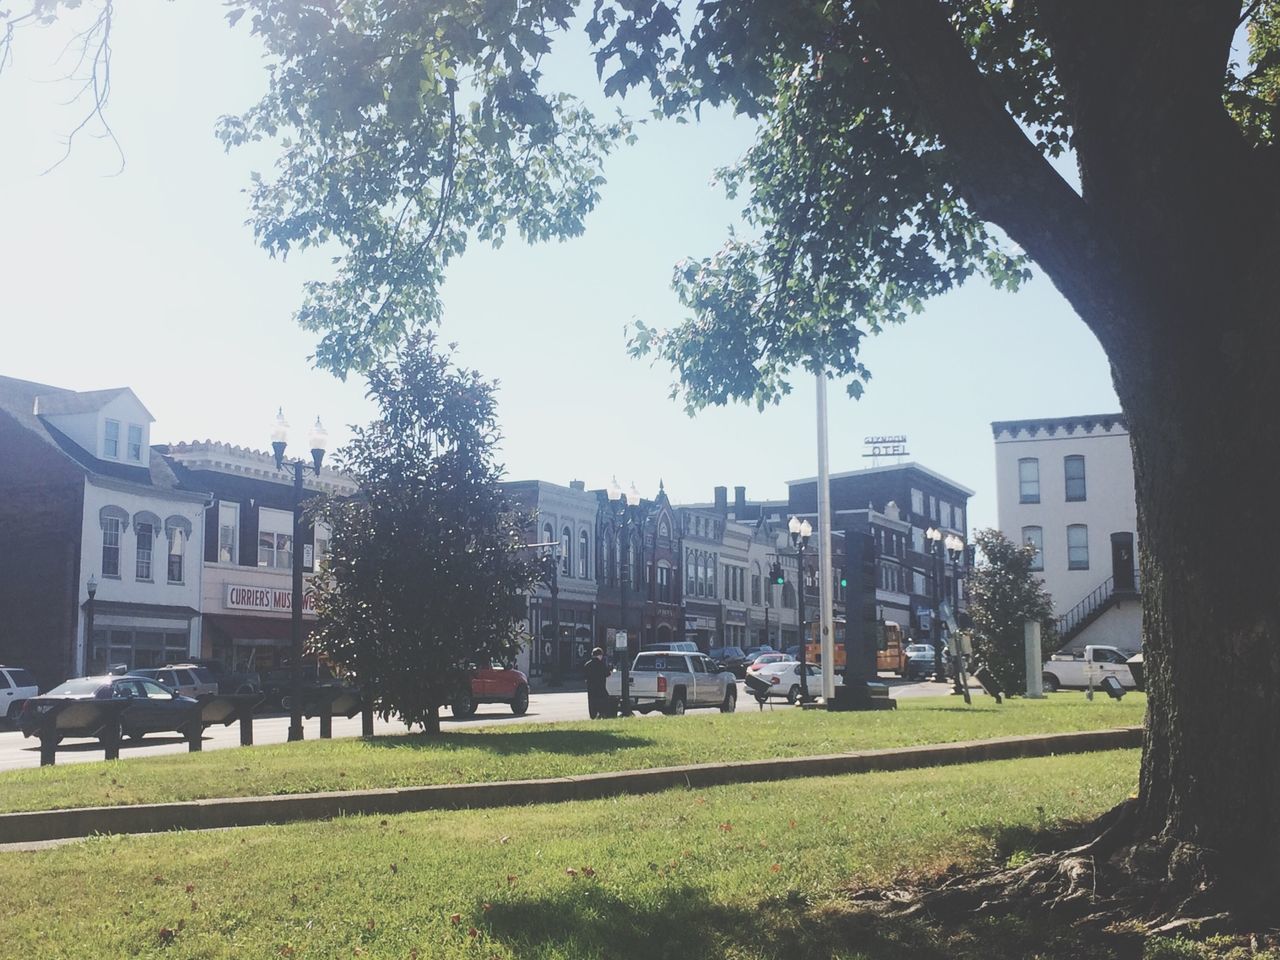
(426, 569)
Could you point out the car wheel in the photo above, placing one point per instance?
(286, 702)
(677, 705)
(793, 695)
(520, 702)
(463, 706)
(1051, 684)
(730, 701)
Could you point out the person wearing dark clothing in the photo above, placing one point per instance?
(597, 696)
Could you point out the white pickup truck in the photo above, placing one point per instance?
(675, 682)
(1087, 669)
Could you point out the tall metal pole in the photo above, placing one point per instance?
(295, 638)
(555, 620)
(825, 572)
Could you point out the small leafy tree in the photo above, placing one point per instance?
(425, 570)
(1004, 595)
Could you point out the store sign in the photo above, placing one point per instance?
(240, 597)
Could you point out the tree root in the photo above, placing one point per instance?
(1166, 886)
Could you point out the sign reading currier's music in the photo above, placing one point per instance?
(240, 597)
(889, 446)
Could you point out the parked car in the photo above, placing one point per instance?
(921, 661)
(186, 678)
(277, 684)
(1087, 668)
(676, 646)
(230, 681)
(153, 708)
(782, 679)
(767, 657)
(675, 682)
(17, 686)
(493, 684)
(733, 659)
(756, 651)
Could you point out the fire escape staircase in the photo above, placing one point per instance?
(1076, 620)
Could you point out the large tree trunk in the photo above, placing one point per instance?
(1205, 451)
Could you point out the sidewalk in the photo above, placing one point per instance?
(40, 825)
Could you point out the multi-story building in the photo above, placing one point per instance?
(566, 517)
(88, 505)
(1065, 486)
(638, 564)
(897, 505)
(247, 595)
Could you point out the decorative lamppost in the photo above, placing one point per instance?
(801, 531)
(92, 588)
(934, 537)
(279, 439)
(626, 520)
(955, 549)
(551, 560)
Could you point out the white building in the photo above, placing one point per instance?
(1065, 485)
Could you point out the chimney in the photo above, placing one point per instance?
(739, 502)
(722, 500)
(579, 485)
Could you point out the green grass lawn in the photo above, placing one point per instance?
(547, 750)
(749, 871)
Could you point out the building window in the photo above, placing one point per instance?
(690, 573)
(111, 546)
(1077, 547)
(584, 551)
(177, 549)
(959, 518)
(135, 443)
(933, 507)
(111, 440)
(917, 539)
(663, 530)
(566, 552)
(946, 513)
(1073, 469)
(1034, 537)
(1029, 480)
(323, 534)
(788, 596)
(228, 532)
(755, 584)
(146, 539)
(664, 583)
(917, 502)
(275, 539)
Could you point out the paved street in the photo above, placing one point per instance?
(17, 751)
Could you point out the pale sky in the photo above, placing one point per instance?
(151, 280)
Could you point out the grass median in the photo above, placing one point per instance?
(548, 750)
(750, 871)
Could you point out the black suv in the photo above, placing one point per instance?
(733, 659)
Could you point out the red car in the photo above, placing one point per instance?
(493, 684)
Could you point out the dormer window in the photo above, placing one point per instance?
(135, 443)
(111, 440)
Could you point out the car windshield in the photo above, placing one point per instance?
(83, 687)
(22, 678)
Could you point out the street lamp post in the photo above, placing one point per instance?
(801, 531)
(955, 547)
(618, 502)
(934, 536)
(279, 439)
(92, 588)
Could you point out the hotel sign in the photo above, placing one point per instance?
(889, 446)
(240, 597)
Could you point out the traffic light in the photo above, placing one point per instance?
(776, 573)
(844, 579)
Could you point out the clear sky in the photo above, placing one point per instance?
(150, 279)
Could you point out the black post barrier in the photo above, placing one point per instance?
(246, 728)
(326, 722)
(366, 718)
(48, 748)
(110, 737)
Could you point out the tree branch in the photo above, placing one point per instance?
(1001, 173)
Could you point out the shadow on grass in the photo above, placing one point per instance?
(570, 742)
(590, 921)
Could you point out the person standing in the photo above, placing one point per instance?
(597, 696)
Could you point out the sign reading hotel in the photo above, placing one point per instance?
(889, 446)
(239, 597)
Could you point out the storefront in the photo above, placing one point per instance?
(248, 623)
(141, 635)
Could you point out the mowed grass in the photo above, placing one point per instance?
(741, 872)
(546, 750)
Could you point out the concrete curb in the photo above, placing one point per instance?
(257, 811)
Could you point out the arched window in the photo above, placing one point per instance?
(788, 596)
(548, 533)
(566, 552)
(663, 529)
(755, 583)
(584, 551)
